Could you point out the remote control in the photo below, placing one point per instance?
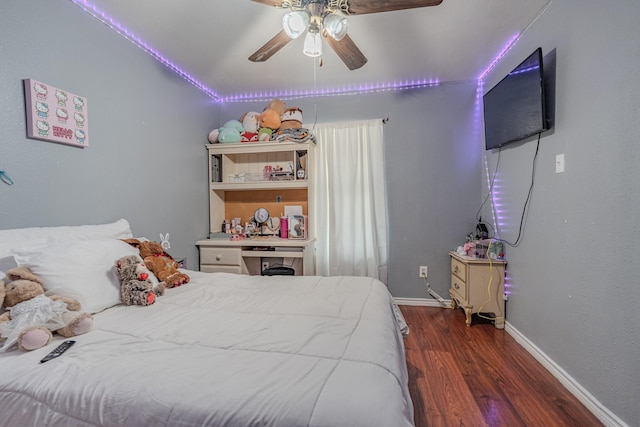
(58, 350)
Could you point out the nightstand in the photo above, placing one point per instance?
(477, 286)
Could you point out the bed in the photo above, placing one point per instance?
(223, 350)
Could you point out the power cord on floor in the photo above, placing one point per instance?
(435, 295)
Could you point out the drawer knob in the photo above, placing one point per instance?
(456, 269)
(455, 285)
(218, 257)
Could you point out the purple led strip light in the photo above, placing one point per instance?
(118, 28)
(246, 97)
(497, 208)
(352, 90)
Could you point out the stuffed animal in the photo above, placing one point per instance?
(251, 122)
(291, 119)
(278, 105)
(136, 287)
(159, 262)
(31, 315)
(213, 136)
(230, 131)
(264, 134)
(249, 137)
(269, 119)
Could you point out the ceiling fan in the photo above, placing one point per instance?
(327, 19)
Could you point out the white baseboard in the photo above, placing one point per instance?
(607, 417)
(424, 302)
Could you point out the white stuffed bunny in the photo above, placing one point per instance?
(164, 241)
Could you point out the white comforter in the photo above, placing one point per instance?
(224, 350)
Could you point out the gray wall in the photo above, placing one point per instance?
(432, 147)
(147, 130)
(574, 277)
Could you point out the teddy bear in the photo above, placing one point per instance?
(31, 316)
(159, 262)
(136, 287)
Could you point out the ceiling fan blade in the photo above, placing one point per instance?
(279, 41)
(361, 7)
(347, 50)
(274, 3)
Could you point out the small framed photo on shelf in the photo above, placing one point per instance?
(297, 227)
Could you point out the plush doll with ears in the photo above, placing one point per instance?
(31, 316)
(136, 287)
(159, 262)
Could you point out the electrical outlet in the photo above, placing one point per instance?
(265, 265)
(423, 271)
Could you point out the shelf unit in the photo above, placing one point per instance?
(240, 181)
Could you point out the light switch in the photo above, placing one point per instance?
(560, 163)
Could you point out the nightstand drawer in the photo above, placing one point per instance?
(221, 269)
(220, 256)
(459, 287)
(459, 269)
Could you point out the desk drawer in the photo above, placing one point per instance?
(459, 269)
(220, 256)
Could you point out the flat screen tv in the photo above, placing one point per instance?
(514, 109)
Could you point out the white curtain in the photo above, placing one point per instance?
(351, 211)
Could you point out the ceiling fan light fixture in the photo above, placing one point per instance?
(313, 43)
(295, 23)
(336, 26)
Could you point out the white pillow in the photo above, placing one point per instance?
(21, 238)
(6, 264)
(80, 269)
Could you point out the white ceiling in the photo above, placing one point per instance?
(211, 40)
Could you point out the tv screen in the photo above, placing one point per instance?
(514, 109)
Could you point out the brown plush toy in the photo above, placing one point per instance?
(31, 315)
(136, 287)
(159, 262)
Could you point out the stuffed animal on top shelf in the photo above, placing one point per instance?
(161, 264)
(278, 105)
(136, 286)
(230, 131)
(31, 316)
(291, 119)
(251, 121)
(270, 119)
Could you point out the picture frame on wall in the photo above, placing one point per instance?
(56, 115)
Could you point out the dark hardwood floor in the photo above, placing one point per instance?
(480, 376)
